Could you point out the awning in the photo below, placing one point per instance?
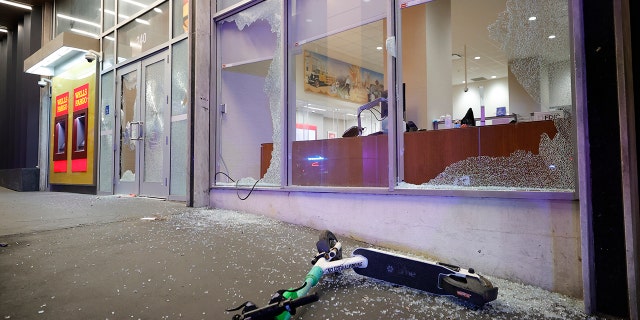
(59, 53)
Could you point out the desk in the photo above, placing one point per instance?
(428, 153)
(363, 161)
(344, 162)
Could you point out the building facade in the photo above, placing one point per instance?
(493, 134)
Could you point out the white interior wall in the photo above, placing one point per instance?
(496, 94)
(439, 65)
(245, 126)
(535, 242)
(560, 84)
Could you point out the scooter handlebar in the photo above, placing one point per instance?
(271, 311)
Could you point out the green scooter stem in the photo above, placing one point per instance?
(312, 278)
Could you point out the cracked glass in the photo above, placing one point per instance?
(496, 110)
(249, 114)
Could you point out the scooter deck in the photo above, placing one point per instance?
(433, 277)
(402, 270)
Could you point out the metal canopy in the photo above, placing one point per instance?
(59, 52)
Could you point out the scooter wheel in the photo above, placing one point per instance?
(329, 240)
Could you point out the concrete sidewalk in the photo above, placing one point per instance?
(23, 212)
(71, 256)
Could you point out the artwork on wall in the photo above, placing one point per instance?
(338, 79)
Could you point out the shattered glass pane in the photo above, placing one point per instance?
(550, 170)
(534, 36)
(251, 64)
(522, 30)
(179, 132)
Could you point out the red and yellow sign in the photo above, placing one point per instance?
(62, 104)
(60, 132)
(81, 97)
(79, 128)
(73, 131)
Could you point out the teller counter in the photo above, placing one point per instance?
(428, 153)
(363, 161)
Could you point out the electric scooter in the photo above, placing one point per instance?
(433, 277)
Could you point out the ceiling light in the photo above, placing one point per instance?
(378, 48)
(477, 58)
(4, 30)
(493, 77)
(532, 18)
(136, 3)
(552, 36)
(86, 33)
(16, 4)
(97, 25)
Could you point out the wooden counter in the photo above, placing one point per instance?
(363, 161)
(345, 162)
(428, 153)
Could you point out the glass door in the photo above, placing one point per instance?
(126, 166)
(142, 167)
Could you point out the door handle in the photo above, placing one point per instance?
(140, 130)
(137, 131)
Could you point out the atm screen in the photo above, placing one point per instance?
(61, 133)
(80, 132)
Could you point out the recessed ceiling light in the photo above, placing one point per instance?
(532, 18)
(552, 36)
(477, 58)
(464, 82)
(493, 77)
(378, 48)
(87, 22)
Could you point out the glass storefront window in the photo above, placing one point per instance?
(108, 51)
(488, 86)
(143, 33)
(109, 14)
(179, 123)
(107, 108)
(485, 89)
(224, 4)
(180, 17)
(82, 17)
(249, 117)
(338, 64)
(130, 8)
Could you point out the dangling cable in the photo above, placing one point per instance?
(237, 188)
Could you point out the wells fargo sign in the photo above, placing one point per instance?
(62, 104)
(81, 97)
